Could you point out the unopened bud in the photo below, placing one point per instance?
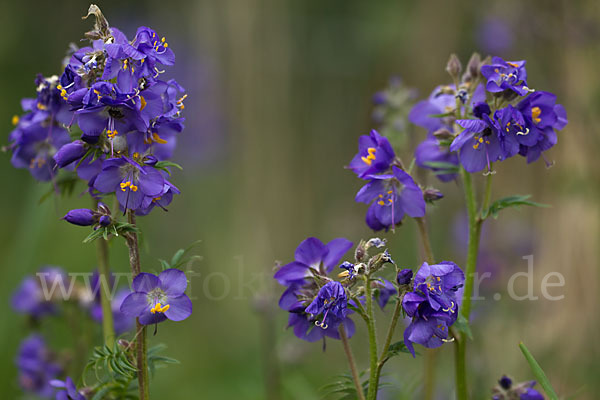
(443, 134)
(430, 195)
(473, 68)
(454, 67)
(404, 277)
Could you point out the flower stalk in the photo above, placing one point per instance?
(373, 376)
(353, 370)
(108, 330)
(140, 343)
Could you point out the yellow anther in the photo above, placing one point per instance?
(366, 160)
(112, 134)
(143, 103)
(136, 155)
(480, 140)
(166, 45)
(59, 86)
(344, 274)
(162, 39)
(156, 199)
(97, 92)
(381, 196)
(158, 139)
(535, 114)
(154, 44)
(159, 308)
(381, 203)
(133, 188)
(391, 200)
(390, 192)
(15, 119)
(124, 64)
(40, 106)
(476, 146)
(512, 64)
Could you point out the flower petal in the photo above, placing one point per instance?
(337, 248)
(173, 281)
(145, 282)
(179, 308)
(135, 304)
(311, 252)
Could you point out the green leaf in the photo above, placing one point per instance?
(538, 372)
(462, 325)
(445, 167)
(508, 202)
(396, 349)
(164, 166)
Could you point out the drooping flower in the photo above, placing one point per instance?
(433, 304)
(391, 196)
(69, 390)
(36, 366)
(505, 75)
(375, 155)
(70, 153)
(303, 277)
(331, 303)
(157, 298)
(542, 118)
(404, 277)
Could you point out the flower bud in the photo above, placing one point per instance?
(80, 216)
(69, 153)
(443, 134)
(472, 71)
(505, 382)
(105, 220)
(454, 66)
(404, 277)
(430, 195)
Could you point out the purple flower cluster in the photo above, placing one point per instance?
(433, 304)
(316, 304)
(500, 118)
(391, 192)
(128, 116)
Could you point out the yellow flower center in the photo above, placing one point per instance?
(535, 114)
(369, 159)
(159, 308)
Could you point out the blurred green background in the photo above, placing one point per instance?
(279, 92)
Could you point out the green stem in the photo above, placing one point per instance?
(388, 338)
(105, 292)
(475, 222)
(353, 370)
(140, 344)
(373, 379)
(430, 355)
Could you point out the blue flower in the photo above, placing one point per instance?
(430, 151)
(432, 304)
(331, 303)
(391, 196)
(69, 391)
(375, 155)
(505, 75)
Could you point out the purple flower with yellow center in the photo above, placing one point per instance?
(312, 257)
(505, 75)
(478, 144)
(391, 197)
(69, 390)
(432, 155)
(433, 304)
(37, 367)
(542, 118)
(155, 49)
(331, 303)
(375, 155)
(131, 181)
(157, 298)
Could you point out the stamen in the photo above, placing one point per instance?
(15, 119)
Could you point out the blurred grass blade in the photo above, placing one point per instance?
(538, 372)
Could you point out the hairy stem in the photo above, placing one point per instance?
(140, 344)
(373, 378)
(353, 370)
(422, 224)
(108, 330)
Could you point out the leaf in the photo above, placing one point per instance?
(164, 166)
(396, 349)
(507, 202)
(538, 372)
(446, 167)
(462, 325)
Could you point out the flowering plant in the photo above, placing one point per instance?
(110, 121)
(486, 115)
